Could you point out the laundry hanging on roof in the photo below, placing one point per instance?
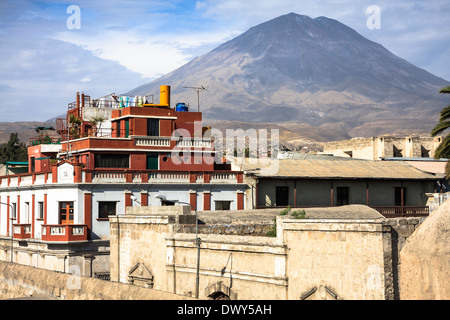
(124, 101)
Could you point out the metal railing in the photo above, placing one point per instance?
(114, 101)
(44, 140)
(405, 211)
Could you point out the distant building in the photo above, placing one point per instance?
(10, 167)
(394, 188)
(376, 148)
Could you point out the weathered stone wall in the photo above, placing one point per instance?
(384, 146)
(349, 256)
(17, 281)
(425, 259)
(358, 148)
(345, 256)
(256, 230)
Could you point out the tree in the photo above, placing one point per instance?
(13, 150)
(443, 150)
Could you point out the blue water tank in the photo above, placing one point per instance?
(181, 106)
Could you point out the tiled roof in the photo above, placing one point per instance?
(337, 169)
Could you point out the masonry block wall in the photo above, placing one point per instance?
(349, 257)
(345, 256)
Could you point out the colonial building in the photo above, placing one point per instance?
(393, 188)
(112, 153)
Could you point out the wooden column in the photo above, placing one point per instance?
(402, 198)
(367, 193)
(295, 193)
(332, 196)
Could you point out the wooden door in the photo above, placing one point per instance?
(66, 212)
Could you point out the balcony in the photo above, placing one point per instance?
(22, 231)
(399, 211)
(386, 211)
(64, 232)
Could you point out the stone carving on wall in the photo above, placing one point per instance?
(141, 276)
(320, 293)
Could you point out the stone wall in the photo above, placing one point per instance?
(348, 255)
(17, 281)
(384, 146)
(425, 259)
(345, 256)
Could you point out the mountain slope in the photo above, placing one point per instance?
(314, 71)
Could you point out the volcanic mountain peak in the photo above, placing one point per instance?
(314, 71)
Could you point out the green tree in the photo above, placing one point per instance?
(13, 150)
(443, 150)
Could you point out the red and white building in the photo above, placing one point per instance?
(110, 153)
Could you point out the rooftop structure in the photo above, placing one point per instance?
(375, 148)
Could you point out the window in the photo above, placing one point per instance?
(66, 212)
(282, 196)
(106, 208)
(127, 128)
(112, 161)
(40, 211)
(398, 196)
(14, 210)
(222, 205)
(27, 212)
(152, 161)
(153, 127)
(342, 196)
(397, 152)
(424, 152)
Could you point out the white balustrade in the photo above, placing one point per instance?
(153, 141)
(194, 143)
(222, 177)
(57, 230)
(77, 230)
(108, 177)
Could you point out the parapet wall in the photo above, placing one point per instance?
(347, 256)
(17, 281)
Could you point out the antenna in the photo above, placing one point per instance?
(198, 94)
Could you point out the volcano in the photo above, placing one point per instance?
(308, 75)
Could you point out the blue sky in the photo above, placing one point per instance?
(122, 44)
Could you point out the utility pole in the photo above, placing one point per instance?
(198, 95)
